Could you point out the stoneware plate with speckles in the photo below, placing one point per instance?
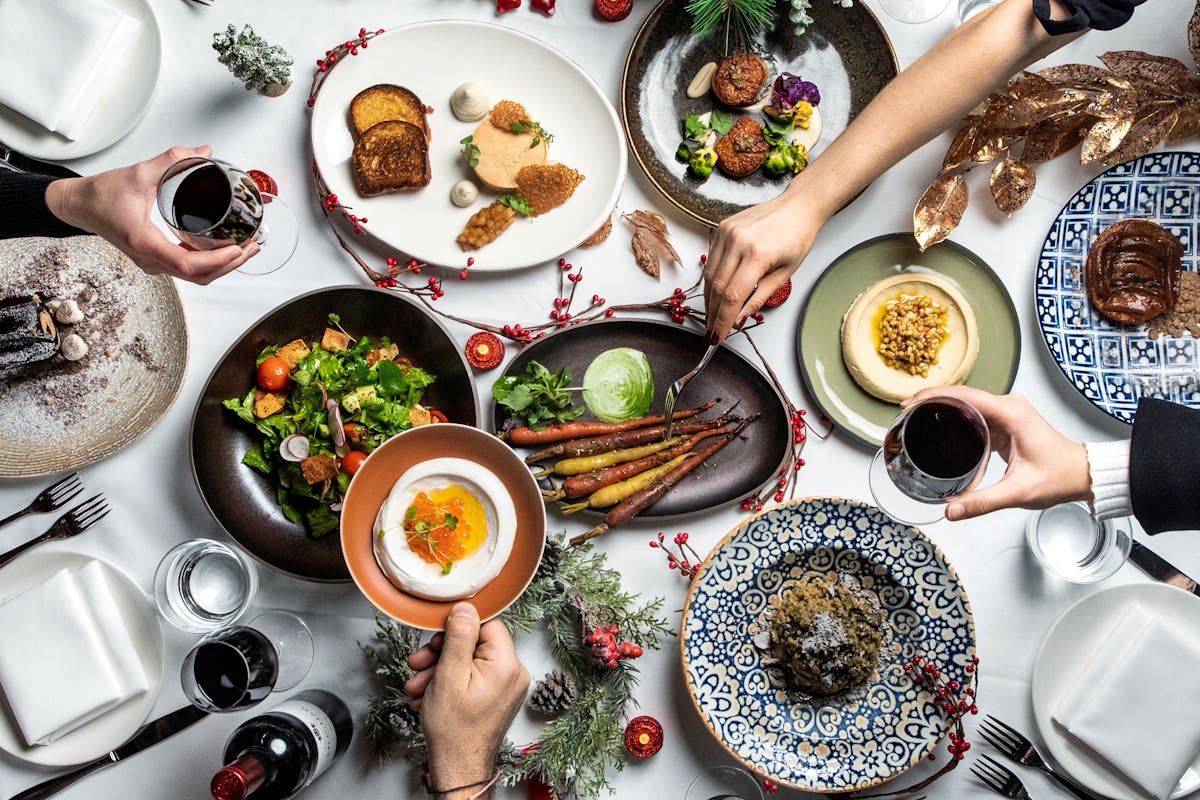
(243, 500)
(845, 52)
(861, 416)
(867, 736)
(740, 468)
(58, 415)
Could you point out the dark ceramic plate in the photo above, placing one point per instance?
(845, 52)
(740, 467)
(242, 500)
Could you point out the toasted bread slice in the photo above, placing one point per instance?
(390, 156)
(384, 102)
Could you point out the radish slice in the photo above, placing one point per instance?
(335, 507)
(341, 449)
(335, 423)
(294, 448)
(324, 397)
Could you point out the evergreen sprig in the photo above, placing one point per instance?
(746, 19)
(576, 751)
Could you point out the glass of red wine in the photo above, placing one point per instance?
(211, 204)
(936, 449)
(237, 667)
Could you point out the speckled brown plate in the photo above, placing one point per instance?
(128, 380)
(741, 467)
(845, 52)
(243, 500)
(375, 480)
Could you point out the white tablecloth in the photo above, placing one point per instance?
(155, 502)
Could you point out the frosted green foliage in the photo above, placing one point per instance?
(252, 59)
(798, 15)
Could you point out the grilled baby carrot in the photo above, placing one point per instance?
(612, 495)
(562, 432)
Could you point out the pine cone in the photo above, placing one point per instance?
(404, 721)
(553, 694)
(551, 559)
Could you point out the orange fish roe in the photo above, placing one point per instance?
(445, 525)
(505, 113)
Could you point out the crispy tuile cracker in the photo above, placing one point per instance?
(547, 186)
(507, 112)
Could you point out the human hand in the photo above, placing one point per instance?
(753, 253)
(1045, 468)
(116, 205)
(468, 687)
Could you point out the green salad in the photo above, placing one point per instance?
(319, 408)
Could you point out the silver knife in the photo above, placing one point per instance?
(150, 734)
(20, 162)
(1160, 569)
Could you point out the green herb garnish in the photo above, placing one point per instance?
(470, 150)
(517, 204)
(720, 121)
(529, 126)
(539, 398)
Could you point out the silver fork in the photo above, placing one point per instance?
(56, 495)
(999, 778)
(1015, 745)
(677, 389)
(72, 523)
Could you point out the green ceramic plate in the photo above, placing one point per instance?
(857, 414)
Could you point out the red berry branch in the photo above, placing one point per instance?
(687, 562)
(338, 53)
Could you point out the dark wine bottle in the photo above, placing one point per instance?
(277, 754)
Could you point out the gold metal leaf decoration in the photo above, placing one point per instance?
(940, 209)
(1052, 137)
(650, 243)
(1193, 35)
(1144, 136)
(1030, 84)
(1074, 74)
(1012, 183)
(1138, 66)
(1103, 138)
(1187, 122)
(966, 143)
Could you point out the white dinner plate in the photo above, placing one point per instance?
(122, 105)
(113, 728)
(1064, 655)
(431, 59)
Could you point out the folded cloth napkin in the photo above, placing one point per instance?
(58, 57)
(1134, 704)
(65, 654)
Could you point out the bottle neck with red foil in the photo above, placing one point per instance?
(239, 779)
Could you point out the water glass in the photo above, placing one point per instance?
(1067, 540)
(969, 8)
(724, 783)
(202, 585)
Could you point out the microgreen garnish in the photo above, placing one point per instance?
(336, 321)
(450, 521)
(449, 566)
(720, 121)
(470, 150)
(381, 533)
(517, 204)
(529, 126)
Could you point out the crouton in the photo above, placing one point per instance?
(319, 468)
(293, 352)
(388, 353)
(419, 415)
(335, 340)
(268, 403)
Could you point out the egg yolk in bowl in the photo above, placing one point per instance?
(445, 525)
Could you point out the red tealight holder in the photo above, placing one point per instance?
(643, 736)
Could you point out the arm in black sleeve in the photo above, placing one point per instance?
(23, 210)
(1100, 15)
(1164, 466)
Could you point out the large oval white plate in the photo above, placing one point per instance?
(112, 729)
(1064, 654)
(120, 108)
(431, 59)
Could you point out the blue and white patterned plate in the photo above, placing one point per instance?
(1114, 365)
(840, 745)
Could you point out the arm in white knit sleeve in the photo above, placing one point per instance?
(1108, 464)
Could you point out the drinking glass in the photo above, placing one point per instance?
(1067, 540)
(969, 8)
(936, 449)
(210, 204)
(914, 11)
(724, 783)
(202, 585)
(235, 668)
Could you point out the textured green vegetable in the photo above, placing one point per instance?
(619, 385)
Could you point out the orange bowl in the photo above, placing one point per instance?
(375, 479)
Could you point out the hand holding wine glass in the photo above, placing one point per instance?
(116, 205)
(469, 685)
(1045, 468)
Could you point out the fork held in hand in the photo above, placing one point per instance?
(677, 389)
(53, 496)
(72, 523)
(999, 778)
(1015, 745)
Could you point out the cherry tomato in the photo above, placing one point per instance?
(353, 460)
(355, 432)
(273, 374)
(438, 416)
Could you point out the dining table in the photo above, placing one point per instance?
(153, 494)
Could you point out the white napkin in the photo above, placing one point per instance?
(1134, 705)
(65, 655)
(57, 57)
